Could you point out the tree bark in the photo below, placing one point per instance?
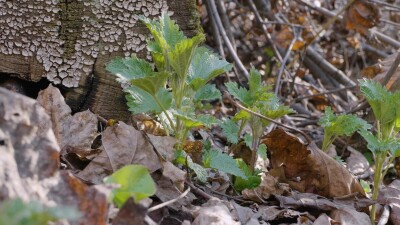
(70, 41)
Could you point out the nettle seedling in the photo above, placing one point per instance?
(258, 99)
(173, 87)
(341, 125)
(384, 144)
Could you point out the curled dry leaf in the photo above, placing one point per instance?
(269, 186)
(214, 212)
(356, 163)
(75, 133)
(123, 145)
(390, 195)
(350, 216)
(307, 168)
(360, 16)
(323, 219)
(378, 71)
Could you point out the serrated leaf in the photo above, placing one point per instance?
(207, 93)
(152, 82)
(127, 69)
(251, 181)
(255, 82)
(376, 146)
(385, 105)
(134, 180)
(165, 31)
(230, 129)
(240, 93)
(248, 140)
(241, 115)
(197, 121)
(181, 157)
(140, 101)
(262, 151)
(224, 162)
(342, 124)
(181, 56)
(205, 65)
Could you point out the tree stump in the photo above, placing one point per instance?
(69, 42)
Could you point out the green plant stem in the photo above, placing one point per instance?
(380, 159)
(254, 146)
(242, 124)
(166, 114)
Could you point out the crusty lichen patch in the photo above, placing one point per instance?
(67, 36)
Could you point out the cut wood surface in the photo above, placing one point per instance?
(69, 43)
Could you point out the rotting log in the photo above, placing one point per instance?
(70, 41)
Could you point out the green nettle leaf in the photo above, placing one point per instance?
(241, 115)
(140, 101)
(240, 93)
(376, 146)
(262, 151)
(180, 57)
(197, 121)
(205, 65)
(17, 212)
(248, 139)
(251, 181)
(385, 105)
(151, 83)
(223, 162)
(165, 31)
(127, 69)
(134, 180)
(181, 157)
(207, 93)
(255, 83)
(340, 125)
(230, 129)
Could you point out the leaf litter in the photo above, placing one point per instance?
(299, 185)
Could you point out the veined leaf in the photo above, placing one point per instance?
(385, 105)
(134, 180)
(223, 162)
(140, 101)
(251, 181)
(240, 93)
(197, 121)
(181, 56)
(181, 157)
(255, 82)
(342, 124)
(376, 146)
(165, 31)
(205, 65)
(248, 139)
(230, 129)
(241, 115)
(207, 93)
(262, 151)
(127, 69)
(151, 83)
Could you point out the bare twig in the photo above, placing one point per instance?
(226, 22)
(283, 64)
(199, 191)
(228, 44)
(159, 206)
(216, 34)
(391, 70)
(323, 93)
(237, 104)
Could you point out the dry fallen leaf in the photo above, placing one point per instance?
(269, 186)
(306, 168)
(123, 145)
(378, 71)
(390, 195)
(214, 212)
(350, 216)
(130, 213)
(356, 163)
(76, 132)
(360, 16)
